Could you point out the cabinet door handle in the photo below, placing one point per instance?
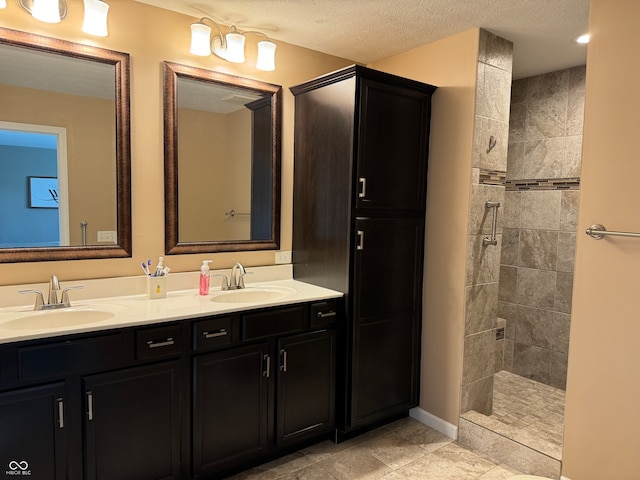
(60, 412)
(283, 354)
(360, 235)
(164, 343)
(220, 333)
(267, 360)
(326, 314)
(90, 405)
(363, 187)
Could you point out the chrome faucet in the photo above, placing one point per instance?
(54, 288)
(236, 280)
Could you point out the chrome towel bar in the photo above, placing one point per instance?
(492, 240)
(598, 232)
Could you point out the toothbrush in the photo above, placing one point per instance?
(145, 269)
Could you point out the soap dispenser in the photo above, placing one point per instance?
(204, 277)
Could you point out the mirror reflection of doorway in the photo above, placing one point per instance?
(33, 188)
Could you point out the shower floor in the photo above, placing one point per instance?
(527, 412)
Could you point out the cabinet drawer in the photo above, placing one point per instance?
(272, 323)
(158, 342)
(211, 333)
(61, 358)
(324, 313)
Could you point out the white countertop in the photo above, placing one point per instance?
(138, 309)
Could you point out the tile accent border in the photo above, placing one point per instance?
(492, 177)
(542, 184)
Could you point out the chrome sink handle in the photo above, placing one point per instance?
(65, 295)
(39, 298)
(225, 282)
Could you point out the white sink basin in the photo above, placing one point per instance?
(252, 295)
(61, 318)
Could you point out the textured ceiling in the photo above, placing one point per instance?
(367, 30)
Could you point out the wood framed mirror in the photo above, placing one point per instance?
(222, 161)
(64, 149)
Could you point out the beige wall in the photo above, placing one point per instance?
(91, 168)
(451, 65)
(151, 35)
(603, 384)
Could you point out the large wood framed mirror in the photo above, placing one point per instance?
(65, 188)
(222, 161)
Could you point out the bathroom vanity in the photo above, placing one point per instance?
(208, 389)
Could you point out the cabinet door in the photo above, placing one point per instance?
(230, 407)
(387, 304)
(392, 146)
(132, 423)
(306, 383)
(32, 433)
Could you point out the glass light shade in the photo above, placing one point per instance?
(46, 11)
(266, 56)
(3, 3)
(200, 35)
(235, 47)
(95, 18)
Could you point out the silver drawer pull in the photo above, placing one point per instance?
(326, 314)
(360, 235)
(267, 360)
(166, 343)
(60, 412)
(220, 333)
(363, 190)
(90, 405)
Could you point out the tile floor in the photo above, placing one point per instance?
(405, 449)
(529, 412)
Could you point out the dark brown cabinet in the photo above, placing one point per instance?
(361, 148)
(132, 423)
(33, 437)
(263, 396)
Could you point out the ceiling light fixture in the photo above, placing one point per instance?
(53, 11)
(583, 39)
(230, 46)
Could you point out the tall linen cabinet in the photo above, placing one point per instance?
(360, 171)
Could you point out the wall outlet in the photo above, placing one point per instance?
(283, 256)
(107, 236)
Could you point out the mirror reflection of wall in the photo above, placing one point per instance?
(43, 91)
(214, 148)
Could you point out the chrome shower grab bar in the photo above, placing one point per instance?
(598, 232)
(492, 240)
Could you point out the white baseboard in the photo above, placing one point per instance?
(434, 422)
(562, 477)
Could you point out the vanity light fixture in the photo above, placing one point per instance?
(230, 46)
(3, 3)
(53, 11)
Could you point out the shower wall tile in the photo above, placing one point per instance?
(478, 348)
(570, 202)
(544, 158)
(540, 210)
(536, 288)
(519, 91)
(496, 158)
(548, 85)
(564, 292)
(508, 283)
(566, 251)
(481, 309)
(510, 239)
(512, 208)
(507, 360)
(546, 118)
(577, 76)
(497, 87)
(483, 262)
(480, 100)
(515, 161)
(575, 114)
(538, 249)
(561, 326)
(478, 396)
(480, 217)
(517, 123)
(496, 51)
(532, 362)
(572, 157)
(534, 327)
(558, 373)
(507, 312)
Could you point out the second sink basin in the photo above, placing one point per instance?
(60, 318)
(252, 294)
